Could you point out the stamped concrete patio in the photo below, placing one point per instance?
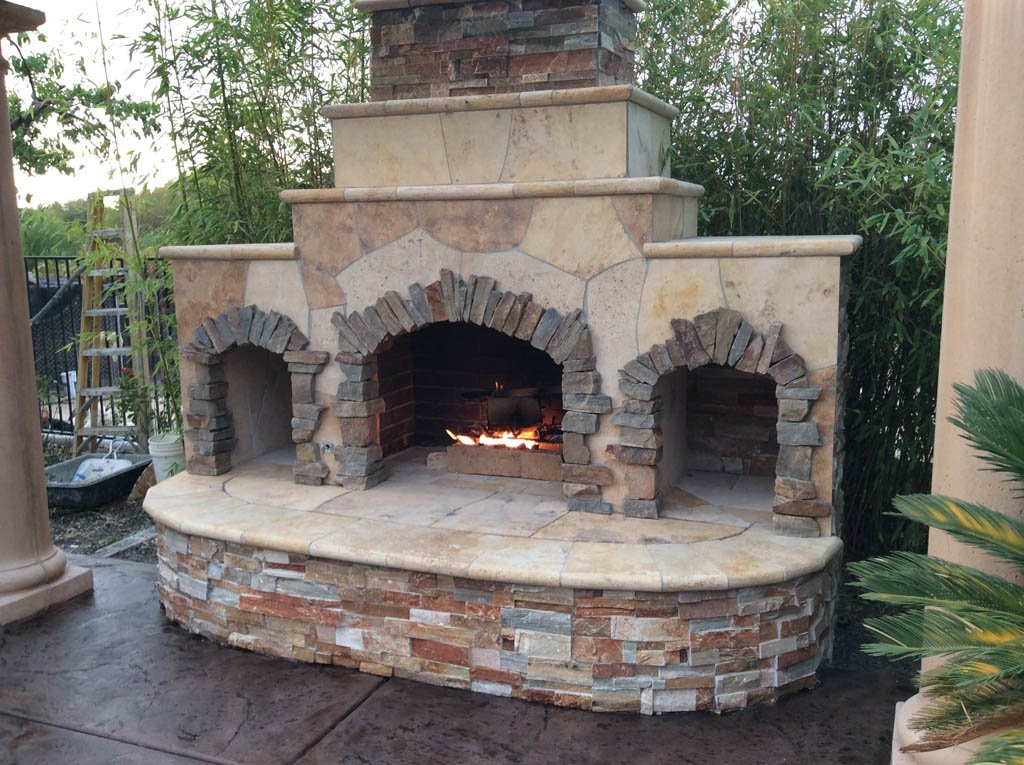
(107, 679)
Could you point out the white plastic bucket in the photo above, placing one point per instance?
(168, 454)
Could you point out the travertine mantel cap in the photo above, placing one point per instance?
(605, 94)
(272, 251)
(755, 247)
(371, 6)
(532, 189)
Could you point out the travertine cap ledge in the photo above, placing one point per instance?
(282, 251)
(565, 97)
(586, 188)
(369, 6)
(754, 247)
(273, 514)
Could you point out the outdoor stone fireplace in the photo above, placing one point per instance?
(549, 443)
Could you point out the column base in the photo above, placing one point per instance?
(23, 604)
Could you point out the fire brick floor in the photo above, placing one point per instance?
(106, 679)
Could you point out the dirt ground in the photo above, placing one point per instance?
(86, 531)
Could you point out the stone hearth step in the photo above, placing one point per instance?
(480, 529)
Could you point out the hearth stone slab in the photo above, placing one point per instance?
(441, 523)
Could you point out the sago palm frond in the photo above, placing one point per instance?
(911, 579)
(976, 525)
(972, 620)
(999, 664)
(953, 719)
(938, 632)
(991, 416)
(1002, 750)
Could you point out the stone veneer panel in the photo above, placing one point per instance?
(597, 650)
(499, 47)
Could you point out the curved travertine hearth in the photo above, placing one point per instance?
(571, 609)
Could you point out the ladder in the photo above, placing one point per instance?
(106, 321)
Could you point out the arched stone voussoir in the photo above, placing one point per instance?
(249, 326)
(720, 337)
(475, 300)
(198, 354)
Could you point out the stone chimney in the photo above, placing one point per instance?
(424, 49)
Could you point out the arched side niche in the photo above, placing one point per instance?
(723, 338)
(211, 424)
(476, 300)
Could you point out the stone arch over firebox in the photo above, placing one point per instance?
(476, 300)
(210, 421)
(722, 337)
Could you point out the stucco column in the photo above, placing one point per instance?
(983, 310)
(33, 572)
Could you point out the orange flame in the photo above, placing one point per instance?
(524, 439)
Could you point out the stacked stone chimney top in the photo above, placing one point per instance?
(429, 49)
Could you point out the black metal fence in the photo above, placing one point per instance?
(55, 342)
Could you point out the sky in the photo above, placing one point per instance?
(71, 27)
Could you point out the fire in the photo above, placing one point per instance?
(523, 439)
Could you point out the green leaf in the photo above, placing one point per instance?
(991, 414)
(976, 525)
(916, 580)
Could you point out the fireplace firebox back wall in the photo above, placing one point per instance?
(464, 379)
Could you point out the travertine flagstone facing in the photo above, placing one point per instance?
(554, 142)
(724, 338)
(565, 338)
(210, 422)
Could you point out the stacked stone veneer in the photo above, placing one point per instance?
(599, 650)
(503, 46)
(476, 300)
(730, 421)
(211, 424)
(724, 338)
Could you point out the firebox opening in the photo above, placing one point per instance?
(260, 401)
(472, 381)
(719, 436)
